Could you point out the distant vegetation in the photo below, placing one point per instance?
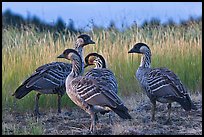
(11, 19)
(29, 43)
(17, 21)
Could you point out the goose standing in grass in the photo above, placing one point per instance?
(91, 94)
(50, 78)
(100, 71)
(160, 84)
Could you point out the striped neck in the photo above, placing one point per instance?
(146, 60)
(99, 63)
(76, 69)
(79, 49)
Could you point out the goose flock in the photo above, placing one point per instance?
(96, 91)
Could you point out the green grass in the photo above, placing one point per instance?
(177, 48)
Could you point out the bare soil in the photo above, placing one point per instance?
(76, 122)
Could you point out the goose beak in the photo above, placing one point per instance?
(131, 51)
(61, 56)
(91, 42)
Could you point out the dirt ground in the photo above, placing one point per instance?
(76, 122)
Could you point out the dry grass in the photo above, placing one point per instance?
(176, 48)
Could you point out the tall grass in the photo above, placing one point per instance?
(177, 48)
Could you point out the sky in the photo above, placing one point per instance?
(101, 13)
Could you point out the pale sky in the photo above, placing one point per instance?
(101, 13)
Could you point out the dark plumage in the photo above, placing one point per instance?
(50, 78)
(100, 71)
(160, 84)
(91, 94)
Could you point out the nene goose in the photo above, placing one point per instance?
(91, 94)
(100, 71)
(50, 78)
(160, 84)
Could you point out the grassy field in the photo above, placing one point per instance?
(177, 48)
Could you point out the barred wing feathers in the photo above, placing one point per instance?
(106, 75)
(46, 78)
(93, 91)
(165, 84)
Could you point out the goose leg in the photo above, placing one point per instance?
(169, 112)
(110, 117)
(153, 110)
(93, 124)
(59, 103)
(96, 117)
(36, 110)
